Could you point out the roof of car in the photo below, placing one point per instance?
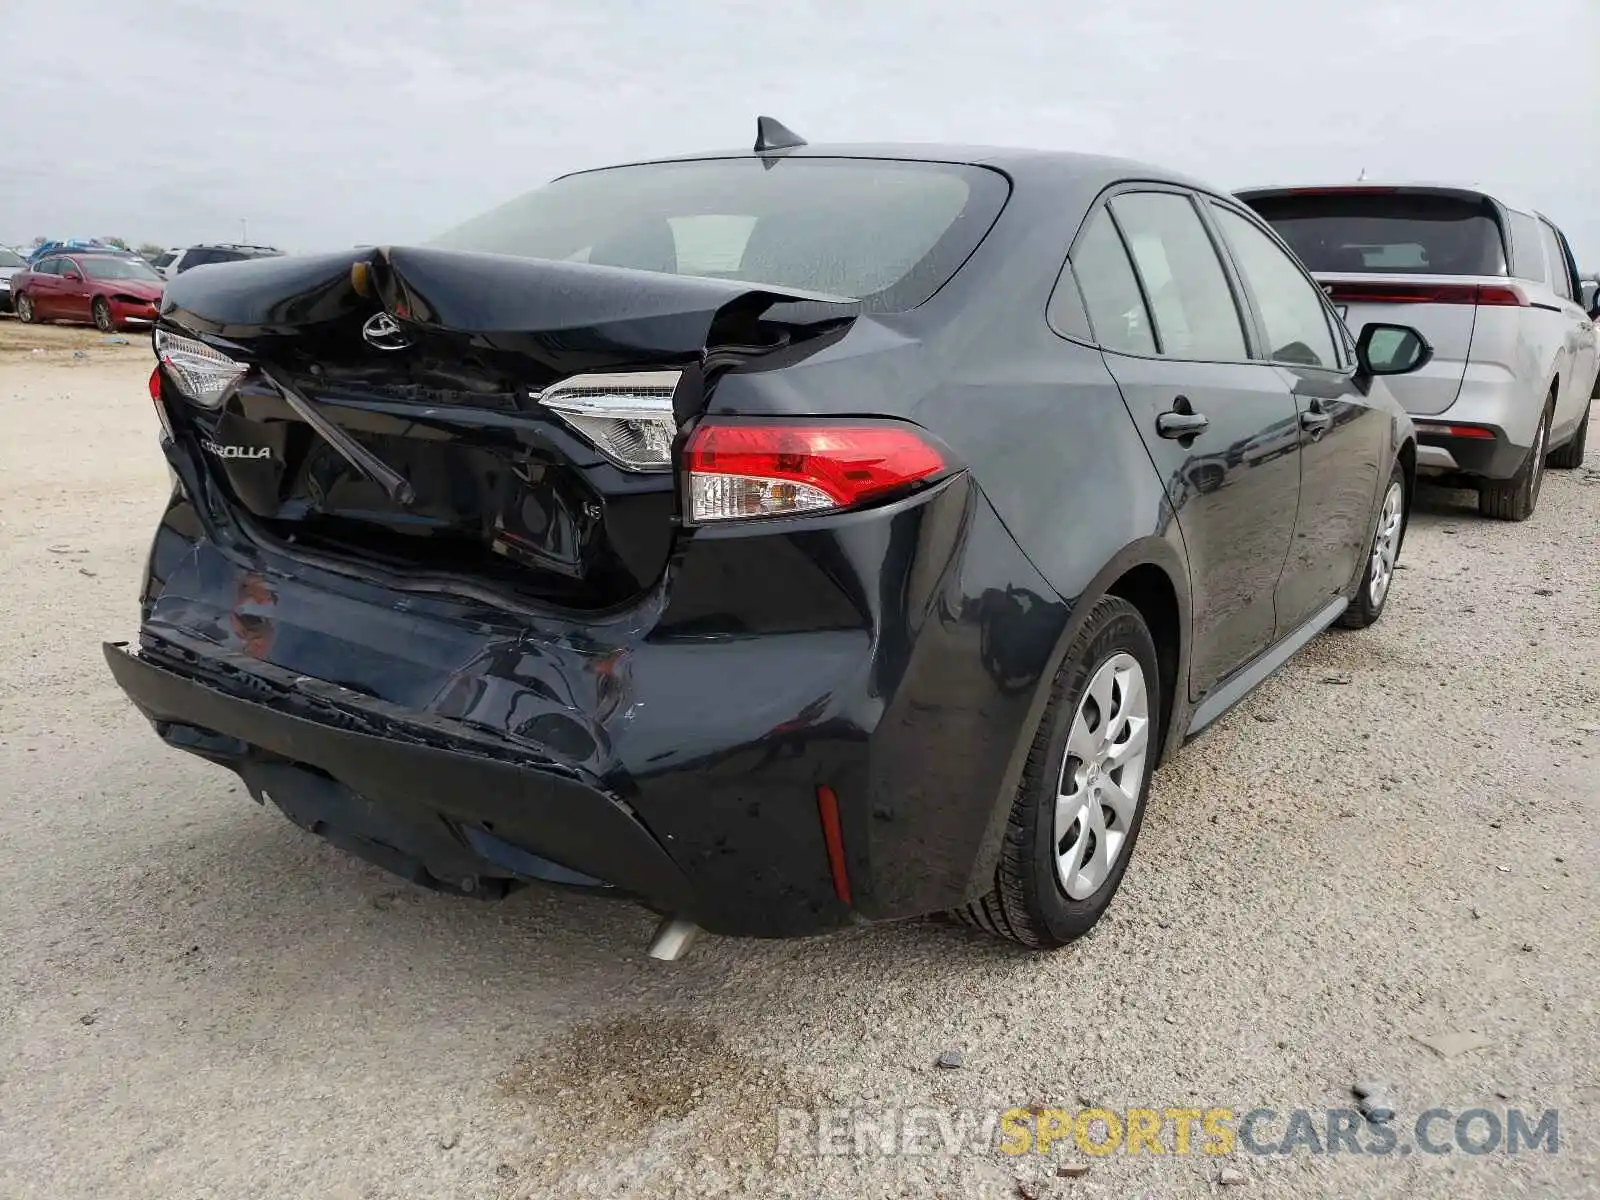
(1086, 171)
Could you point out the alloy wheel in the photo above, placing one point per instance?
(1102, 775)
(25, 310)
(1386, 546)
(1536, 475)
(102, 316)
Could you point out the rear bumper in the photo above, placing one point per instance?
(1493, 398)
(435, 815)
(1443, 450)
(671, 753)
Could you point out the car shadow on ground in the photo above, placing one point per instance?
(1435, 501)
(250, 886)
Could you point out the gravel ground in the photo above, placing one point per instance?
(1394, 839)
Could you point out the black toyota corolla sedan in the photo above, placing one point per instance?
(778, 539)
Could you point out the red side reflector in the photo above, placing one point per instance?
(833, 839)
(848, 463)
(1425, 293)
(155, 398)
(1462, 431)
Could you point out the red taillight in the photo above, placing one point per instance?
(764, 470)
(1505, 296)
(155, 398)
(1426, 293)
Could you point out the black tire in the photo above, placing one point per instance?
(1570, 456)
(25, 312)
(1514, 499)
(1027, 903)
(101, 312)
(1363, 609)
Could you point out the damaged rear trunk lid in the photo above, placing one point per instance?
(507, 420)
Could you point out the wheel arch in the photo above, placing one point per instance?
(1152, 575)
(1407, 455)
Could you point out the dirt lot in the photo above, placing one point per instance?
(1395, 839)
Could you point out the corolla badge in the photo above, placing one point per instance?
(383, 332)
(235, 451)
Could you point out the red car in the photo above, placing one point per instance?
(110, 291)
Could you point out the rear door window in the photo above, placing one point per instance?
(1370, 231)
(1560, 281)
(1187, 290)
(1291, 305)
(1117, 313)
(1527, 247)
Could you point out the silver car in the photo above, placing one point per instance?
(1495, 290)
(10, 264)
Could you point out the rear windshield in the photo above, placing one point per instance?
(888, 233)
(1388, 234)
(119, 268)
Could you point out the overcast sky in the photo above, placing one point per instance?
(330, 122)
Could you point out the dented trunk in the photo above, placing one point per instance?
(392, 410)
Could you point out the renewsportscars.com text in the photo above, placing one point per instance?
(1160, 1131)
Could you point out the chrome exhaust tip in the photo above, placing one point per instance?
(672, 939)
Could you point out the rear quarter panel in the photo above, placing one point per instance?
(1516, 353)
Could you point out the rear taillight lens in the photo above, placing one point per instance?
(626, 415)
(1426, 293)
(737, 472)
(199, 372)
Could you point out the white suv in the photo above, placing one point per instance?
(176, 262)
(1494, 289)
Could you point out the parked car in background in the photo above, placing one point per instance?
(784, 539)
(199, 256)
(58, 245)
(1494, 288)
(109, 291)
(10, 264)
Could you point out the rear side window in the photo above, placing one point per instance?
(1110, 290)
(1527, 247)
(1387, 233)
(887, 232)
(1193, 306)
(1560, 282)
(1291, 306)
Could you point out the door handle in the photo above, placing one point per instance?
(1315, 422)
(1182, 421)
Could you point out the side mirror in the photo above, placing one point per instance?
(1589, 297)
(1383, 349)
